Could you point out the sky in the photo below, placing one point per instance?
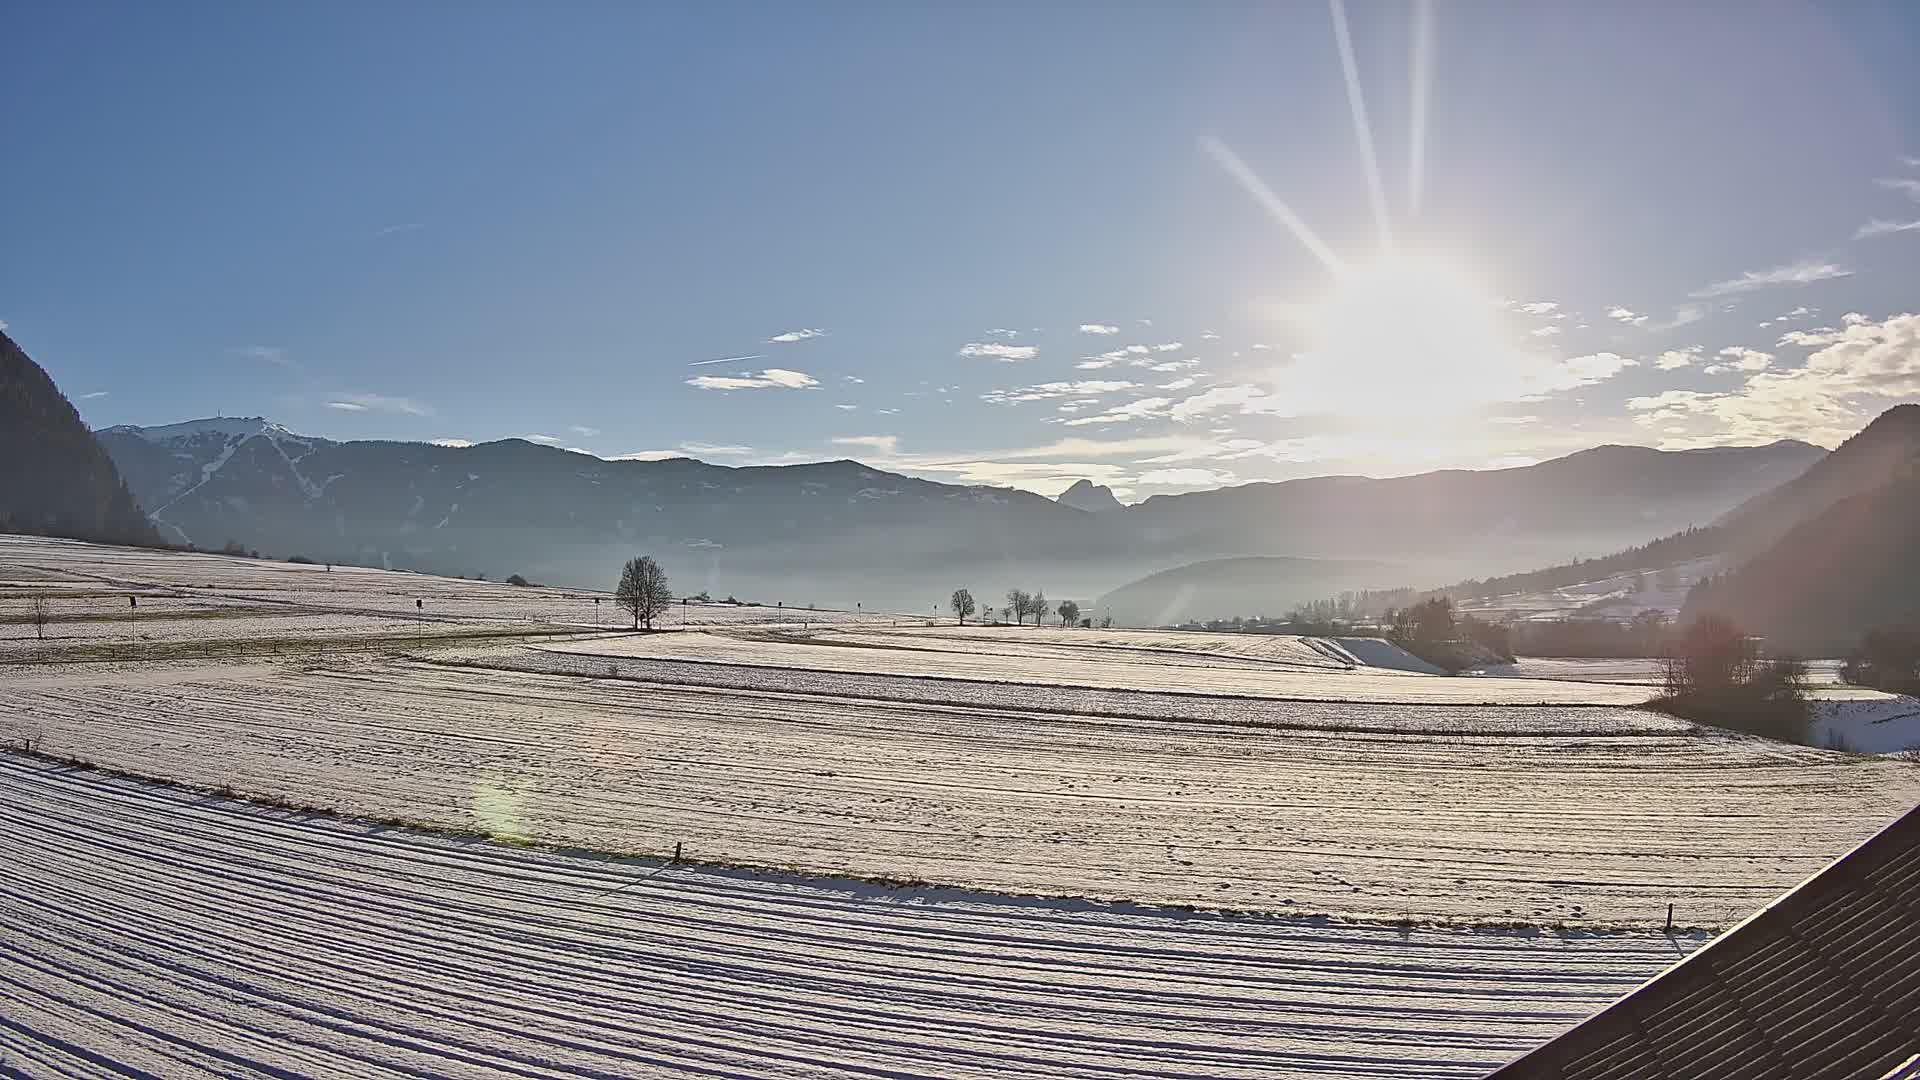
(1159, 246)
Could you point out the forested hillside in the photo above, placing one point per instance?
(55, 480)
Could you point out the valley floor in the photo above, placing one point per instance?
(966, 852)
(156, 932)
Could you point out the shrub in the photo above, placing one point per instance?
(516, 579)
(1713, 674)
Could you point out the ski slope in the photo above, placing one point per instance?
(147, 931)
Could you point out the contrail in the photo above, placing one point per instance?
(1238, 169)
(1361, 128)
(1421, 74)
(726, 359)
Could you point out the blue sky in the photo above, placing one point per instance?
(965, 240)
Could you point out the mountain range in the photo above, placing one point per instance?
(841, 532)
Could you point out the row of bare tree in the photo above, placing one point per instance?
(1021, 605)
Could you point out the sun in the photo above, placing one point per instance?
(1405, 335)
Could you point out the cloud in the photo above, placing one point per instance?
(1170, 365)
(1675, 359)
(1006, 354)
(1586, 370)
(1513, 420)
(583, 431)
(1740, 358)
(885, 444)
(1044, 391)
(854, 379)
(846, 406)
(1878, 227)
(885, 412)
(649, 455)
(1171, 346)
(1538, 307)
(95, 395)
(1098, 328)
(1179, 384)
(796, 335)
(1627, 316)
(724, 360)
(770, 379)
(454, 443)
(1239, 397)
(1857, 372)
(1802, 272)
(405, 226)
(1209, 335)
(1001, 331)
(547, 440)
(715, 450)
(1132, 410)
(1545, 331)
(1094, 363)
(1184, 478)
(380, 403)
(1910, 187)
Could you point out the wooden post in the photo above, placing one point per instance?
(1669, 918)
(676, 851)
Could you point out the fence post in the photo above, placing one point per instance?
(1669, 918)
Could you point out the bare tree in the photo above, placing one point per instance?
(1069, 613)
(643, 591)
(963, 604)
(1037, 606)
(40, 617)
(1018, 603)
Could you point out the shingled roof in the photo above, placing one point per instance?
(1823, 982)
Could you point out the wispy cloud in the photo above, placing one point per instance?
(1209, 335)
(454, 443)
(1802, 272)
(1538, 307)
(1626, 315)
(583, 431)
(1001, 331)
(95, 394)
(797, 335)
(885, 444)
(379, 403)
(1006, 354)
(725, 360)
(770, 379)
(705, 449)
(1098, 328)
(1045, 391)
(547, 440)
(1878, 227)
(1132, 410)
(1544, 331)
(846, 406)
(405, 226)
(1904, 184)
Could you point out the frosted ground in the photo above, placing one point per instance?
(159, 931)
(959, 852)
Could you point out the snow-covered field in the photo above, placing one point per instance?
(1002, 660)
(1060, 776)
(151, 932)
(189, 599)
(1588, 816)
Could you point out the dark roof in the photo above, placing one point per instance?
(1823, 982)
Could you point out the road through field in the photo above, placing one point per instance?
(1477, 814)
(147, 931)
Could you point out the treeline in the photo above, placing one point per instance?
(1694, 543)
